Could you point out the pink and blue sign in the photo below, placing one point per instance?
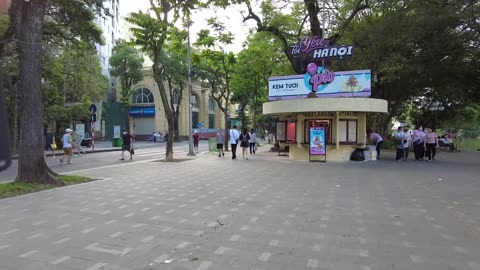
(320, 82)
(317, 141)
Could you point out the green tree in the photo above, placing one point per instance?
(127, 65)
(286, 20)
(27, 24)
(151, 32)
(256, 63)
(71, 81)
(429, 58)
(176, 70)
(216, 66)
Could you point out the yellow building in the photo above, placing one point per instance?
(147, 114)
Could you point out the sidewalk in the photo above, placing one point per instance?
(213, 213)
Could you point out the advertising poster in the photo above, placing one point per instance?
(317, 141)
(80, 130)
(320, 82)
(116, 132)
(281, 134)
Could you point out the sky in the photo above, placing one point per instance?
(231, 17)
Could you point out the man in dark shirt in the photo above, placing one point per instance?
(127, 144)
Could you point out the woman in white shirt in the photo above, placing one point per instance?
(252, 141)
(407, 142)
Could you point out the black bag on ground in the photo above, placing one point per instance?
(358, 155)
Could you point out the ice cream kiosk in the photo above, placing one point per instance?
(322, 113)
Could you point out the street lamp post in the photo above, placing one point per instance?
(190, 90)
(435, 108)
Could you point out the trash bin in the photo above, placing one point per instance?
(212, 144)
(117, 142)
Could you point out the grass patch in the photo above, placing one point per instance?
(74, 179)
(471, 144)
(15, 189)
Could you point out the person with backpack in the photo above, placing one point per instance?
(127, 144)
(244, 143)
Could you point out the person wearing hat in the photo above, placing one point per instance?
(67, 146)
(127, 144)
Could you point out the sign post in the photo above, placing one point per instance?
(93, 119)
(318, 144)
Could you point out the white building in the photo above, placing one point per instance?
(109, 23)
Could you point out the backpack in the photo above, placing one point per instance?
(245, 138)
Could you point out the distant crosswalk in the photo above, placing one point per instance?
(154, 153)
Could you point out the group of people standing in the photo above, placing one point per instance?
(424, 141)
(247, 140)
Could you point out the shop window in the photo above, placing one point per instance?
(347, 131)
(194, 102)
(142, 96)
(292, 132)
(211, 105)
(211, 121)
(326, 123)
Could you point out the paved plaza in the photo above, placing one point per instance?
(268, 212)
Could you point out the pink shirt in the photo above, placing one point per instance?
(375, 137)
(418, 135)
(431, 137)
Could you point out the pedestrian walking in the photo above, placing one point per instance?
(459, 139)
(234, 135)
(376, 139)
(220, 138)
(407, 142)
(50, 144)
(196, 139)
(127, 144)
(432, 144)
(418, 142)
(244, 143)
(399, 143)
(77, 145)
(67, 146)
(252, 141)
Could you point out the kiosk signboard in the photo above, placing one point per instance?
(317, 141)
(320, 82)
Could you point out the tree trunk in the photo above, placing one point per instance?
(159, 79)
(28, 21)
(175, 124)
(169, 152)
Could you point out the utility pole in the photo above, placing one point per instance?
(190, 90)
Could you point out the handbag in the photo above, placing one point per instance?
(54, 146)
(132, 151)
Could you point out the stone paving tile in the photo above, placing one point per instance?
(266, 213)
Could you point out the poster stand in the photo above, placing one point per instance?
(317, 148)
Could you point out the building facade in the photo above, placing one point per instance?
(110, 25)
(147, 115)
